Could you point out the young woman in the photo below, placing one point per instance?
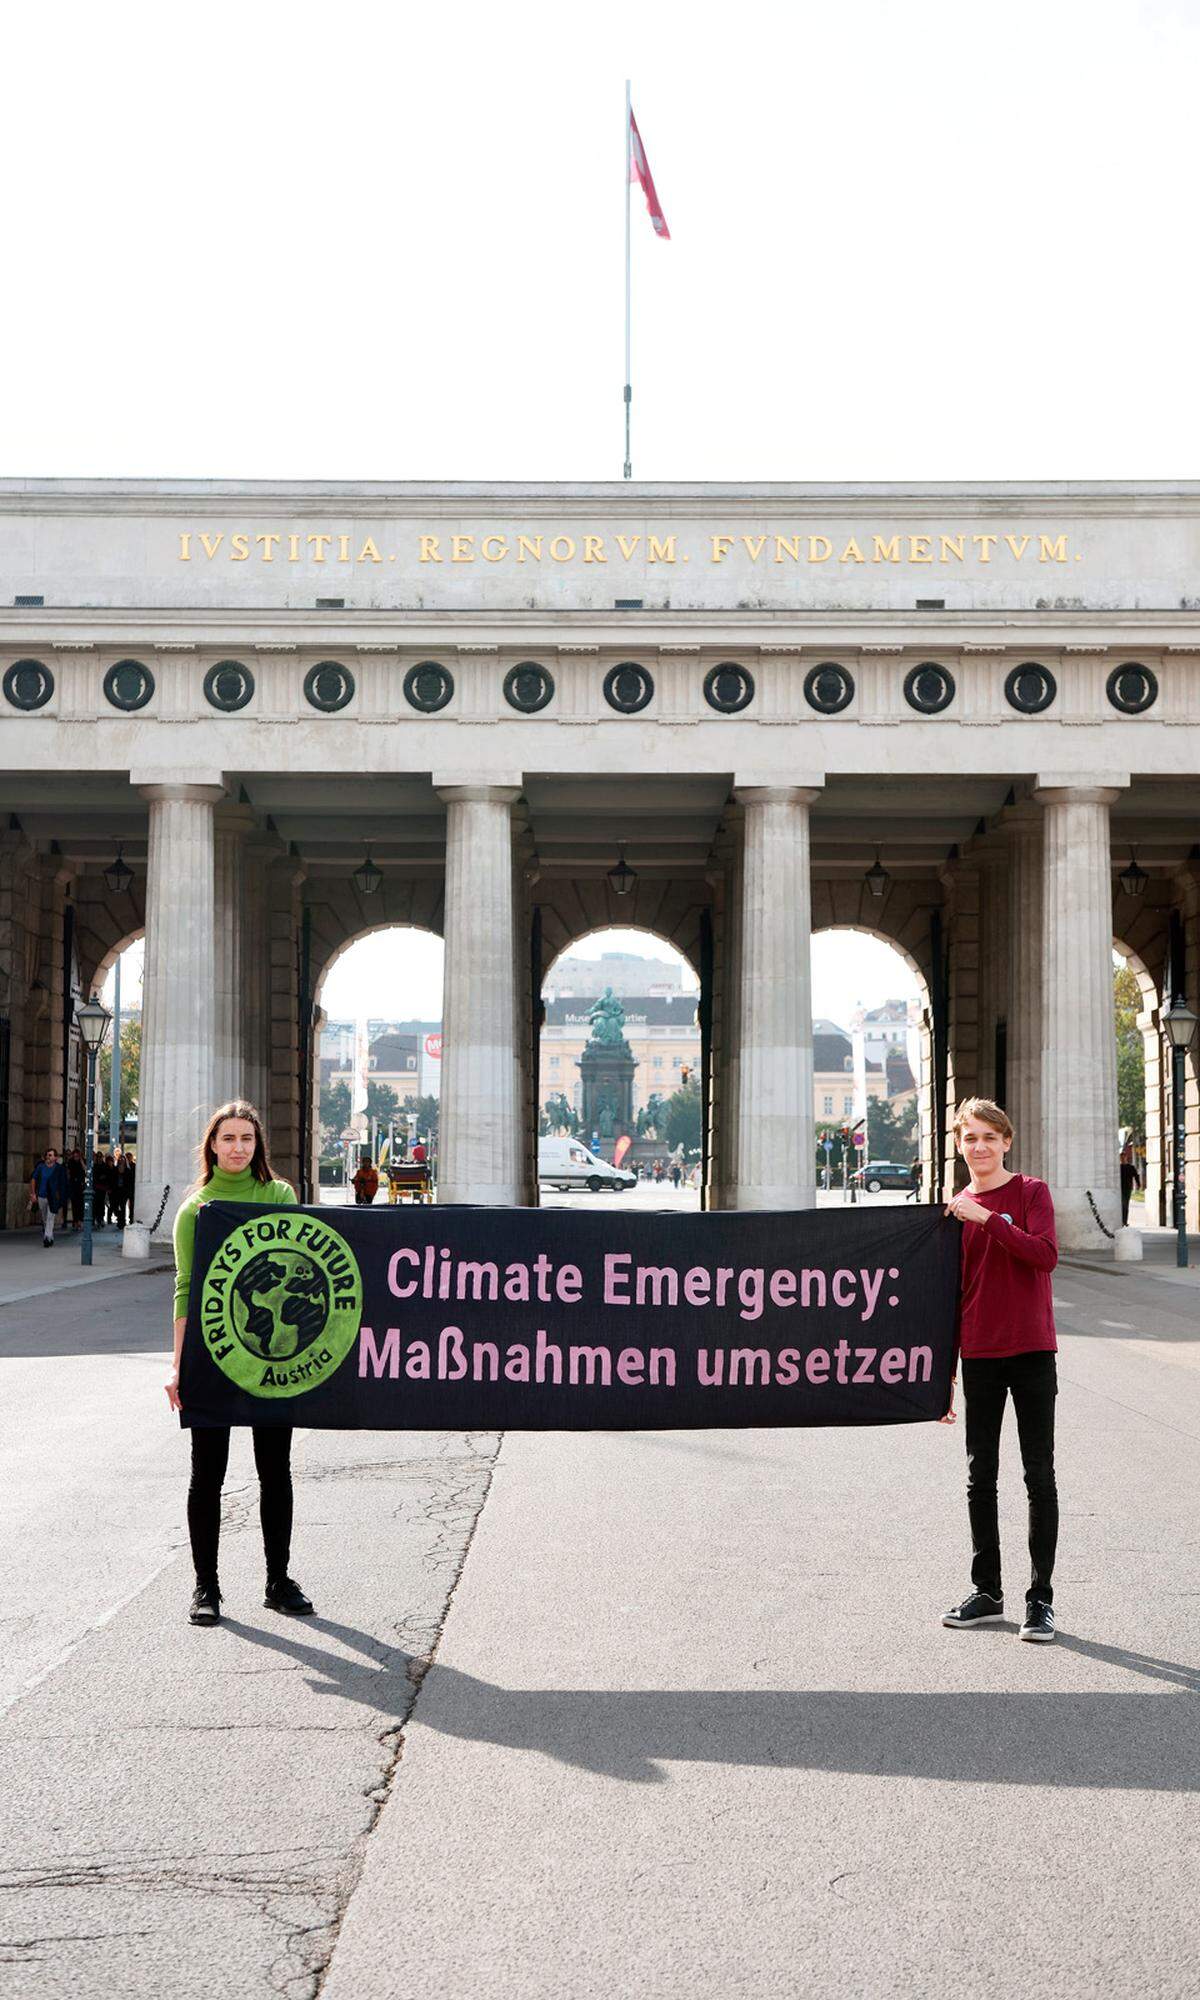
(233, 1166)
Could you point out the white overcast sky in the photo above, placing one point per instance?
(927, 240)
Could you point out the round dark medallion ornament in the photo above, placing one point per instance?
(628, 688)
(528, 687)
(328, 686)
(828, 688)
(128, 685)
(1030, 688)
(428, 686)
(228, 686)
(28, 684)
(728, 687)
(1132, 688)
(929, 688)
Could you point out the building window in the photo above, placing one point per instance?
(827, 1104)
(658, 1062)
(847, 1106)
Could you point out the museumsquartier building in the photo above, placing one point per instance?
(964, 718)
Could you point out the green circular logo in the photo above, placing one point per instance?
(281, 1304)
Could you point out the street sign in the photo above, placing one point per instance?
(860, 1139)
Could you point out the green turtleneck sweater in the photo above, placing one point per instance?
(221, 1187)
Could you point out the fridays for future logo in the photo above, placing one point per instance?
(281, 1304)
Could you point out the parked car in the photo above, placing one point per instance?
(878, 1174)
(568, 1163)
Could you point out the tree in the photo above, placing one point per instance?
(334, 1112)
(383, 1105)
(680, 1123)
(891, 1133)
(131, 1066)
(1131, 1053)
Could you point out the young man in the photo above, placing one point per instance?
(1008, 1347)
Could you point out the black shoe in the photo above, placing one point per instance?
(1038, 1625)
(977, 1609)
(286, 1595)
(45, 1243)
(206, 1604)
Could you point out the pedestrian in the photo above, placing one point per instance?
(102, 1181)
(675, 1173)
(121, 1210)
(914, 1176)
(419, 1154)
(233, 1165)
(1008, 1347)
(48, 1188)
(1130, 1178)
(366, 1181)
(76, 1177)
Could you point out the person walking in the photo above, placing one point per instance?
(1008, 1347)
(366, 1181)
(1130, 1178)
(122, 1186)
(233, 1165)
(102, 1182)
(76, 1177)
(48, 1188)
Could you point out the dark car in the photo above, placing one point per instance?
(879, 1174)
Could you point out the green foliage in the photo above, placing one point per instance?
(680, 1121)
(334, 1111)
(131, 1066)
(891, 1135)
(1131, 1054)
(383, 1105)
(425, 1110)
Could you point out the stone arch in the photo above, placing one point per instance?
(1156, 1108)
(570, 1085)
(342, 945)
(923, 1066)
(105, 965)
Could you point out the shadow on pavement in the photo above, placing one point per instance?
(1100, 1741)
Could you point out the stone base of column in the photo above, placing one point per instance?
(481, 1194)
(775, 1196)
(1076, 1225)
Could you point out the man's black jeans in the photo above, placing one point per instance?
(1032, 1380)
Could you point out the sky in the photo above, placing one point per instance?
(397, 974)
(926, 241)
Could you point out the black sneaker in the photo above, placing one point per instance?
(977, 1609)
(1038, 1625)
(206, 1604)
(286, 1595)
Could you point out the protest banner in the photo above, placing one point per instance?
(566, 1319)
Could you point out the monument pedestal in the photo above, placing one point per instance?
(607, 1071)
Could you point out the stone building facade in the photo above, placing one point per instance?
(756, 696)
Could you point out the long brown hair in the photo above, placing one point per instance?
(206, 1158)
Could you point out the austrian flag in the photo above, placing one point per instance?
(639, 170)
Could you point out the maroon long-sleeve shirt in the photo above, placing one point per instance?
(1006, 1264)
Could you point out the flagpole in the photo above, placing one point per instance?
(629, 469)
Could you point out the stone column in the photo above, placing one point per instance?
(776, 1167)
(1024, 1107)
(230, 962)
(992, 859)
(480, 1134)
(178, 988)
(1079, 1062)
(256, 857)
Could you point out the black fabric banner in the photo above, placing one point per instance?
(563, 1319)
(424, 1318)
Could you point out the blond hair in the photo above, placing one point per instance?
(987, 1112)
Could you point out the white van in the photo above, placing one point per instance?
(568, 1163)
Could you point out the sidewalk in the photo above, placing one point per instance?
(27, 1271)
(1158, 1259)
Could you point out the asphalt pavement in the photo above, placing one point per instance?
(637, 1713)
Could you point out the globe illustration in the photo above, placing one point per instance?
(280, 1304)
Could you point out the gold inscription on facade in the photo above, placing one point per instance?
(806, 549)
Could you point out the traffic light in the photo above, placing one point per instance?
(684, 1073)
